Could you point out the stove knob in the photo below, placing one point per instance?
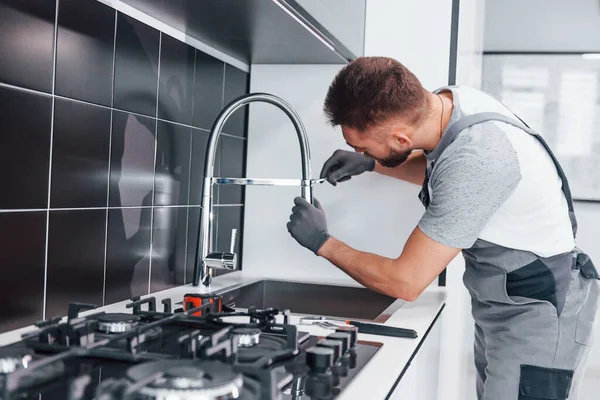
(319, 359)
(334, 345)
(339, 367)
(319, 387)
(352, 330)
(345, 338)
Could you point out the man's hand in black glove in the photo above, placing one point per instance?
(343, 165)
(308, 224)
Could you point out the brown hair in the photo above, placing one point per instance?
(370, 90)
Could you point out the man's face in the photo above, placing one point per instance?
(383, 144)
(393, 158)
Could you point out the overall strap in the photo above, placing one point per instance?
(478, 118)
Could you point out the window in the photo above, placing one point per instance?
(558, 95)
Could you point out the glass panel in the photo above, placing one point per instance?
(559, 96)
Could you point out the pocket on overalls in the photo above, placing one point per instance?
(536, 283)
(537, 383)
(591, 295)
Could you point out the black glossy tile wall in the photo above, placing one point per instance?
(24, 149)
(75, 259)
(27, 43)
(199, 147)
(172, 170)
(132, 160)
(169, 241)
(22, 274)
(192, 248)
(85, 50)
(208, 90)
(104, 126)
(80, 155)
(228, 218)
(176, 92)
(236, 85)
(136, 66)
(232, 165)
(127, 253)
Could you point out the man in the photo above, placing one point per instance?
(493, 190)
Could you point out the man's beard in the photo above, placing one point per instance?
(393, 159)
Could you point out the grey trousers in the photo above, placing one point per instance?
(537, 354)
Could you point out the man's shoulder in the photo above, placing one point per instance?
(480, 155)
(485, 140)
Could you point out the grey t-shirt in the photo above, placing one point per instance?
(469, 182)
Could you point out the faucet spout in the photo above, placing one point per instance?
(204, 262)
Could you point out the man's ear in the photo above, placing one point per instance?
(402, 140)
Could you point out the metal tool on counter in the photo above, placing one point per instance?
(363, 327)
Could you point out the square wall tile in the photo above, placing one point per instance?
(226, 219)
(22, 273)
(169, 240)
(208, 90)
(27, 43)
(172, 176)
(75, 259)
(176, 93)
(25, 124)
(80, 155)
(127, 253)
(199, 145)
(136, 66)
(232, 165)
(132, 160)
(193, 226)
(85, 51)
(236, 85)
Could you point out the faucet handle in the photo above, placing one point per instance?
(233, 239)
(221, 260)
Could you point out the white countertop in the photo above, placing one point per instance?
(385, 366)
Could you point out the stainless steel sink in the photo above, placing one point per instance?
(313, 299)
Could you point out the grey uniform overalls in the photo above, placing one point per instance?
(533, 315)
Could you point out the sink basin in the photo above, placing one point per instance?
(313, 299)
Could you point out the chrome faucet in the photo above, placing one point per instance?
(206, 259)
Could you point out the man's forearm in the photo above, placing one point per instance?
(375, 272)
(412, 170)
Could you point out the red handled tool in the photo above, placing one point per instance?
(194, 300)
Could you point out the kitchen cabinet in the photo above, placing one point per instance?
(344, 19)
(420, 381)
(266, 31)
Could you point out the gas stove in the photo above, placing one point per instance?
(202, 351)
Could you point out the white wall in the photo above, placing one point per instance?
(542, 25)
(372, 213)
(471, 28)
(415, 32)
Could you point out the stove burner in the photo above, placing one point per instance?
(117, 323)
(15, 359)
(268, 344)
(9, 365)
(10, 361)
(188, 379)
(247, 337)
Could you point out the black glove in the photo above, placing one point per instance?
(308, 224)
(343, 165)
